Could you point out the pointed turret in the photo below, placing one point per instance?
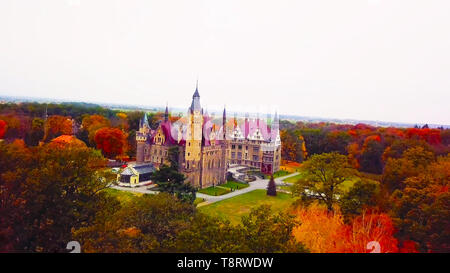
(224, 123)
(195, 105)
(246, 126)
(166, 113)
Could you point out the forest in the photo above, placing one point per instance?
(54, 180)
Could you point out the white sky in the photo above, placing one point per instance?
(361, 59)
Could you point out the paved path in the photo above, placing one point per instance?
(255, 185)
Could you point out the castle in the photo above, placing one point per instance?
(204, 148)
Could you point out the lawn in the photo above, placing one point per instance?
(215, 191)
(122, 196)
(280, 173)
(198, 200)
(234, 208)
(293, 179)
(234, 185)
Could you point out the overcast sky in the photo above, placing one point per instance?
(361, 59)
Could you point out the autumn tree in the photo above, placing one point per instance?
(370, 158)
(57, 125)
(292, 146)
(47, 192)
(322, 179)
(413, 161)
(92, 123)
(36, 134)
(3, 128)
(325, 232)
(111, 141)
(422, 207)
(319, 230)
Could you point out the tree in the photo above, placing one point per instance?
(47, 192)
(413, 161)
(36, 134)
(149, 223)
(57, 125)
(210, 234)
(171, 181)
(92, 123)
(112, 141)
(325, 232)
(370, 159)
(292, 145)
(319, 229)
(363, 194)
(322, 179)
(271, 187)
(369, 227)
(422, 208)
(265, 232)
(3, 128)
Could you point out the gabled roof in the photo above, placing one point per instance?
(144, 168)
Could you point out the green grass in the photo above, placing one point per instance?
(122, 196)
(215, 191)
(236, 207)
(234, 185)
(293, 179)
(286, 188)
(280, 173)
(198, 200)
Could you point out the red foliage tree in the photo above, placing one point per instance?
(3, 127)
(111, 141)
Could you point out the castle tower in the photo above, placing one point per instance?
(141, 139)
(194, 134)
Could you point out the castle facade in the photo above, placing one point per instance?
(204, 147)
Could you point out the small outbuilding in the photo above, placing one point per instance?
(138, 175)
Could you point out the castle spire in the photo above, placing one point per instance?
(166, 114)
(195, 105)
(224, 123)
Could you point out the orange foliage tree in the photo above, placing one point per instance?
(322, 231)
(92, 123)
(112, 141)
(57, 125)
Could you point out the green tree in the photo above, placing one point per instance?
(149, 223)
(265, 232)
(171, 181)
(322, 179)
(271, 187)
(363, 194)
